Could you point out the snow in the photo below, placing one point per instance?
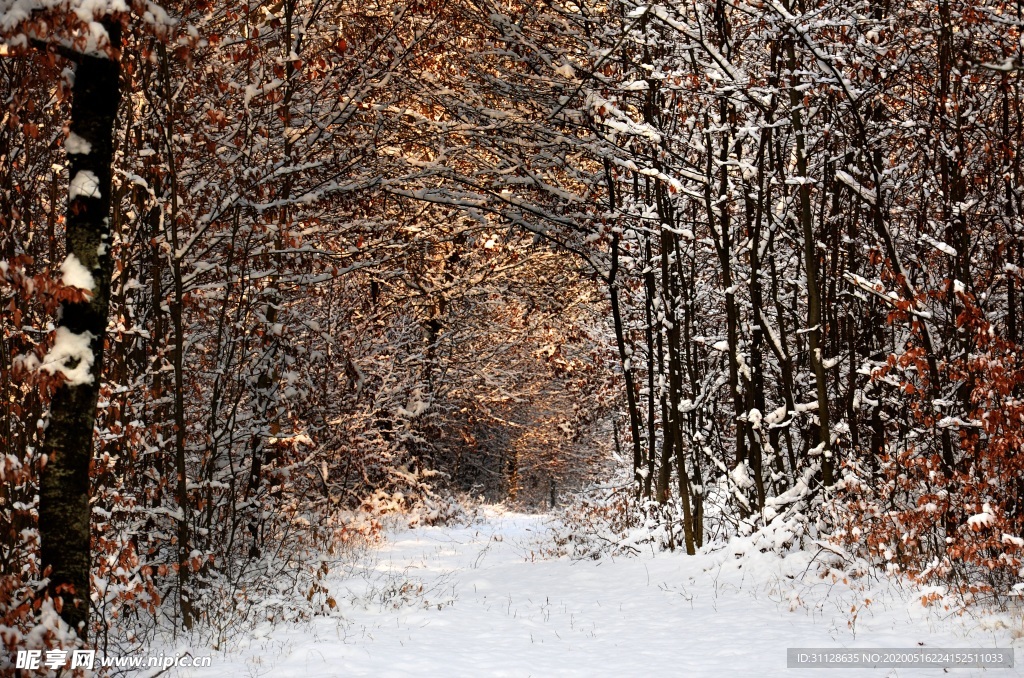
(740, 476)
(983, 519)
(939, 245)
(76, 145)
(1007, 65)
(74, 274)
(1015, 541)
(829, 363)
(72, 356)
(485, 600)
(777, 416)
(85, 184)
(866, 194)
(566, 71)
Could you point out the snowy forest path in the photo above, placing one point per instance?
(481, 600)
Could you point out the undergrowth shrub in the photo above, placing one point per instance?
(948, 515)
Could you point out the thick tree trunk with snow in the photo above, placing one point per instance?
(78, 355)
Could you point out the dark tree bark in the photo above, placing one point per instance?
(815, 335)
(64, 485)
(672, 424)
(620, 340)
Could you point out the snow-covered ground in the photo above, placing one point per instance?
(481, 600)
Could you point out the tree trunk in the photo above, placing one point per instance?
(814, 318)
(64, 484)
(620, 340)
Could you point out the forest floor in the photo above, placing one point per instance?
(482, 600)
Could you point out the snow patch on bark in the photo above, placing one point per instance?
(85, 184)
(72, 356)
(76, 145)
(74, 274)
